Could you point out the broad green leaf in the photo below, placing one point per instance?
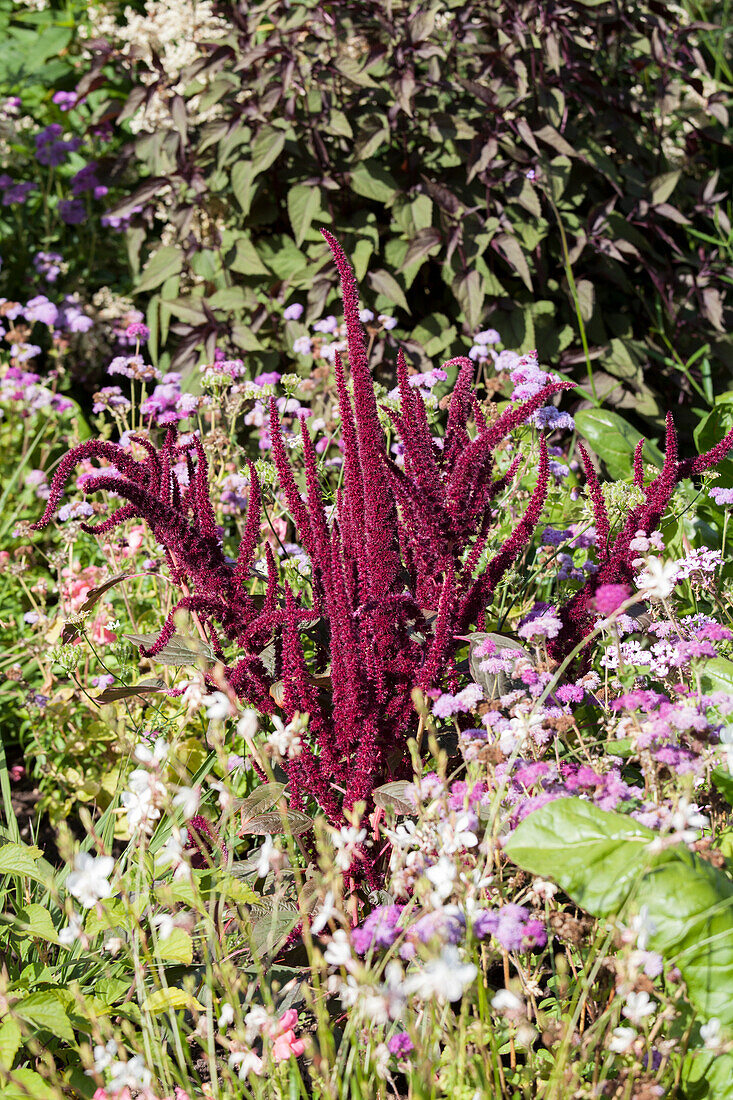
(167, 261)
(393, 796)
(178, 650)
(246, 260)
(172, 998)
(662, 187)
(723, 780)
(590, 853)
(262, 798)
(613, 439)
(266, 148)
(10, 1040)
(269, 932)
(382, 282)
(422, 244)
(27, 1085)
(511, 250)
(38, 922)
(371, 181)
(469, 292)
(339, 124)
(603, 859)
(304, 202)
(19, 859)
(242, 178)
(178, 947)
(45, 1010)
(717, 675)
(126, 691)
(272, 824)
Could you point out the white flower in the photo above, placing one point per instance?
(171, 854)
(113, 945)
(327, 911)
(218, 706)
(247, 724)
(165, 924)
(286, 740)
(710, 1034)
(69, 935)
(88, 881)
(193, 695)
(442, 875)
(642, 927)
(622, 1039)
(187, 799)
(638, 1006)
(338, 952)
(270, 858)
(132, 1074)
(226, 1017)
(345, 841)
(246, 1062)
(141, 801)
(658, 579)
(457, 834)
(543, 890)
(506, 1002)
(104, 1056)
(404, 836)
(154, 757)
(687, 820)
(256, 1021)
(445, 978)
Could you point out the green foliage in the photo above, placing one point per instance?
(469, 153)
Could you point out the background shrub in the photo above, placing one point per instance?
(533, 168)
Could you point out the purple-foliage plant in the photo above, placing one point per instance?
(402, 541)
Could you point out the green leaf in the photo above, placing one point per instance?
(46, 1011)
(167, 261)
(383, 283)
(662, 187)
(589, 852)
(339, 124)
(272, 824)
(371, 181)
(717, 675)
(10, 1040)
(178, 947)
(38, 922)
(266, 148)
(242, 178)
(179, 650)
(19, 859)
(511, 250)
(422, 244)
(304, 202)
(27, 1084)
(602, 859)
(171, 998)
(246, 261)
(613, 439)
(469, 292)
(125, 691)
(262, 798)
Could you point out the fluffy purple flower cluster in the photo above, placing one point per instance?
(512, 926)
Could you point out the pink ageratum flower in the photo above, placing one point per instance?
(609, 597)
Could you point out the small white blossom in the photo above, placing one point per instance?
(442, 876)
(710, 1034)
(88, 881)
(623, 1037)
(345, 841)
(247, 724)
(171, 854)
(657, 581)
(218, 706)
(132, 1074)
(506, 1002)
(445, 978)
(285, 741)
(152, 757)
(226, 1017)
(104, 1056)
(73, 931)
(638, 1006)
(338, 951)
(270, 858)
(326, 913)
(187, 800)
(164, 923)
(256, 1021)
